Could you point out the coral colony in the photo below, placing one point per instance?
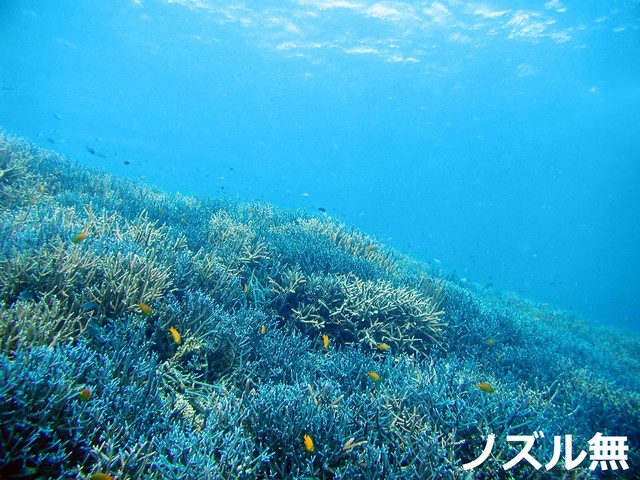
(157, 336)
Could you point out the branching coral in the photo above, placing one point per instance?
(229, 375)
(40, 417)
(18, 183)
(353, 242)
(126, 280)
(362, 311)
(33, 323)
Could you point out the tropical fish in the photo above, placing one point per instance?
(383, 346)
(491, 341)
(89, 306)
(79, 237)
(245, 288)
(26, 295)
(263, 330)
(374, 376)
(102, 476)
(370, 248)
(325, 340)
(145, 309)
(85, 394)
(485, 387)
(175, 335)
(308, 443)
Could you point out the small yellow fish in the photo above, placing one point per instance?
(102, 476)
(485, 387)
(374, 376)
(370, 248)
(491, 341)
(145, 309)
(325, 340)
(383, 346)
(245, 288)
(263, 330)
(79, 237)
(85, 394)
(175, 334)
(308, 443)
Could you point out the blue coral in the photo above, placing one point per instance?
(230, 401)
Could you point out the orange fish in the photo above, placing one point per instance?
(175, 334)
(383, 346)
(79, 237)
(325, 340)
(374, 376)
(102, 476)
(263, 330)
(85, 394)
(145, 309)
(308, 443)
(485, 387)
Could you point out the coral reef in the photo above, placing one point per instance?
(353, 310)
(150, 335)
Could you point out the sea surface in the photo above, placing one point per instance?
(498, 141)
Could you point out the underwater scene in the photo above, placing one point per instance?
(153, 335)
(319, 239)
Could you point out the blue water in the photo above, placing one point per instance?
(499, 141)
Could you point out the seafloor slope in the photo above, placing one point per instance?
(149, 335)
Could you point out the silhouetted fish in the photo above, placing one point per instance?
(89, 306)
(26, 295)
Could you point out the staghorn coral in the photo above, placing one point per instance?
(41, 420)
(46, 322)
(127, 280)
(205, 271)
(355, 243)
(234, 242)
(250, 376)
(74, 274)
(19, 184)
(361, 311)
(216, 344)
